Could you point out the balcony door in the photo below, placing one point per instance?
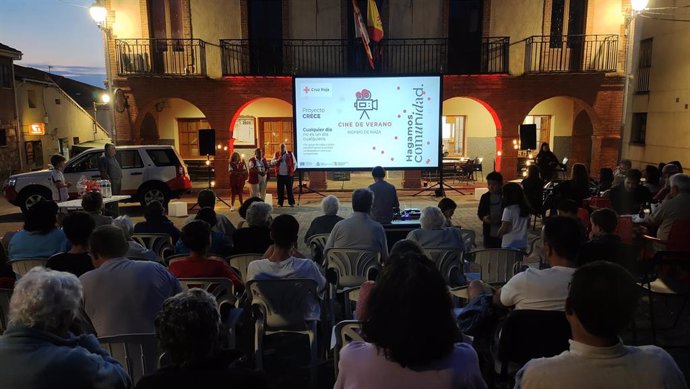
(166, 26)
(465, 27)
(577, 14)
(265, 36)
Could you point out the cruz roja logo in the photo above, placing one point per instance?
(365, 103)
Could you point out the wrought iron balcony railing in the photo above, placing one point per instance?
(336, 56)
(161, 57)
(571, 53)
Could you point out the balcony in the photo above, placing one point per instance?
(336, 56)
(571, 53)
(161, 57)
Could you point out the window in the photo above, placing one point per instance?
(644, 65)
(5, 76)
(166, 19)
(453, 134)
(129, 159)
(3, 137)
(31, 97)
(34, 154)
(557, 14)
(638, 128)
(163, 157)
(85, 162)
(188, 135)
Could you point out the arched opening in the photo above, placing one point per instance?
(565, 123)
(176, 122)
(471, 129)
(264, 122)
(149, 130)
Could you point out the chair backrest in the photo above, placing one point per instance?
(600, 202)
(535, 252)
(468, 237)
(174, 258)
(316, 243)
(449, 263)
(352, 265)
(138, 353)
(498, 265)
(161, 244)
(284, 303)
(22, 266)
(240, 262)
(345, 332)
(528, 334)
(221, 288)
(5, 295)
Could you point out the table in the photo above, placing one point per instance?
(76, 203)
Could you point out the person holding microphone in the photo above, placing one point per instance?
(258, 169)
(284, 163)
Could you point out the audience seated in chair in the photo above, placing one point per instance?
(156, 222)
(220, 245)
(569, 208)
(122, 296)
(630, 196)
(92, 203)
(448, 206)
(284, 261)
(324, 224)
(44, 347)
(188, 329)
(433, 234)
(207, 199)
(410, 334)
(677, 207)
(196, 236)
(600, 305)
(242, 211)
(359, 231)
(667, 171)
(135, 250)
(256, 236)
(604, 244)
(40, 237)
(546, 289)
(78, 227)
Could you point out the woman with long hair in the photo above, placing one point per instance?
(238, 176)
(533, 186)
(515, 219)
(576, 188)
(410, 334)
(546, 162)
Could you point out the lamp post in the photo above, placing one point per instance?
(105, 100)
(99, 14)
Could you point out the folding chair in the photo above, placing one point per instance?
(498, 265)
(161, 244)
(5, 295)
(167, 261)
(352, 267)
(345, 332)
(449, 263)
(468, 237)
(284, 306)
(316, 243)
(240, 262)
(138, 353)
(22, 266)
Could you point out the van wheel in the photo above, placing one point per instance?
(154, 192)
(32, 196)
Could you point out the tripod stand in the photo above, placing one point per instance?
(301, 186)
(440, 184)
(210, 187)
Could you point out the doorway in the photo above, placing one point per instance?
(273, 132)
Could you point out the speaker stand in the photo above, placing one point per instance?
(208, 168)
(441, 185)
(301, 186)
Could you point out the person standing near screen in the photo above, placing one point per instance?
(284, 163)
(385, 197)
(258, 169)
(110, 170)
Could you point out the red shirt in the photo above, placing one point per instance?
(195, 267)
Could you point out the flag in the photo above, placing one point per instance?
(374, 22)
(362, 30)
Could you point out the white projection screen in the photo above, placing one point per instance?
(356, 123)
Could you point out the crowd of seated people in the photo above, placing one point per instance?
(77, 227)
(40, 237)
(324, 224)
(220, 244)
(155, 222)
(433, 234)
(92, 203)
(134, 249)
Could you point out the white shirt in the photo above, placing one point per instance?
(63, 193)
(616, 367)
(543, 290)
(516, 238)
(258, 165)
(292, 267)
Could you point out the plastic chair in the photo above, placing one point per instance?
(5, 295)
(283, 306)
(22, 266)
(174, 258)
(469, 237)
(352, 267)
(316, 243)
(478, 168)
(138, 353)
(624, 228)
(161, 244)
(240, 262)
(449, 263)
(345, 332)
(498, 265)
(528, 334)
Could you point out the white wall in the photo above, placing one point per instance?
(167, 119)
(212, 21)
(561, 110)
(479, 122)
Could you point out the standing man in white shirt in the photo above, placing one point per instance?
(285, 165)
(547, 289)
(601, 302)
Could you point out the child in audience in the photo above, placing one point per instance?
(58, 162)
(515, 218)
(78, 227)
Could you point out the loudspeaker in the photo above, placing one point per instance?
(207, 142)
(528, 136)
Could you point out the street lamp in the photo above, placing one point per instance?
(639, 5)
(99, 14)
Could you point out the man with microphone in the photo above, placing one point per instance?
(284, 163)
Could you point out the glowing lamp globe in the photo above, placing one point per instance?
(639, 5)
(98, 14)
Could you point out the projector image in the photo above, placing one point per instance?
(367, 105)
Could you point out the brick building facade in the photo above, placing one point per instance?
(10, 160)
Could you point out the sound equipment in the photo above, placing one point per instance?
(207, 142)
(528, 136)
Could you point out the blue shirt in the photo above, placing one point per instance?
(25, 244)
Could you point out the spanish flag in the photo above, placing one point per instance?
(374, 24)
(362, 32)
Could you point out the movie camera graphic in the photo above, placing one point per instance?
(365, 103)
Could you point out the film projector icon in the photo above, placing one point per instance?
(365, 103)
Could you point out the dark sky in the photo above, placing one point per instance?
(56, 33)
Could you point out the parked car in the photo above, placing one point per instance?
(149, 173)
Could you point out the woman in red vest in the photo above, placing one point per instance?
(258, 173)
(238, 175)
